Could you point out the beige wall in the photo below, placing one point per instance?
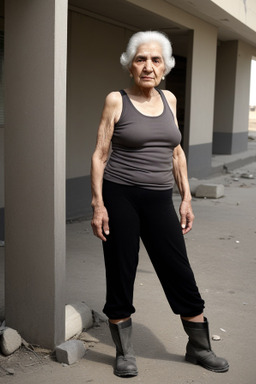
(35, 106)
(245, 11)
(242, 90)
(202, 85)
(168, 11)
(232, 87)
(94, 70)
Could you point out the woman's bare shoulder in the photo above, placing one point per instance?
(113, 106)
(170, 96)
(113, 99)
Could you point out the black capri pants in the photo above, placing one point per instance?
(136, 213)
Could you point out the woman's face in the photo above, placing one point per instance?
(148, 65)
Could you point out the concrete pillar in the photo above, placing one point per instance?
(200, 100)
(35, 110)
(232, 97)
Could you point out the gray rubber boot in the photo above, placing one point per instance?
(125, 364)
(199, 347)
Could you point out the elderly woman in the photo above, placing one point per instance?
(132, 199)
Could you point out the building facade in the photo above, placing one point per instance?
(61, 58)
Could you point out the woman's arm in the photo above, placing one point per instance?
(181, 178)
(181, 175)
(111, 113)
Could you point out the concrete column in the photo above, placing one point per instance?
(200, 100)
(35, 110)
(232, 97)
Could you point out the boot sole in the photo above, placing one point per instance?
(126, 374)
(193, 360)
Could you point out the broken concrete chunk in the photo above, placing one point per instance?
(212, 191)
(70, 351)
(10, 341)
(78, 317)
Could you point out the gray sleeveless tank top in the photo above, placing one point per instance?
(142, 147)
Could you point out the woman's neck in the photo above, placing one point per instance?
(145, 93)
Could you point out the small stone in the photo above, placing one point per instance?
(247, 176)
(10, 341)
(70, 352)
(10, 371)
(216, 337)
(213, 191)
(223, 330)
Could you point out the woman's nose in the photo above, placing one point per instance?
(148, 66)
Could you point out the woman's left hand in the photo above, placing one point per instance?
(186, 216)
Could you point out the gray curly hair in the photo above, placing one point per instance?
(145, 37)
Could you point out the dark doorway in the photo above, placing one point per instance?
(176, 83)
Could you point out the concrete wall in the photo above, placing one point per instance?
(202, 101)
(94, 70)
(245, 11)
(35, 106)
(232, 97)
(242, 93)
(224, 96)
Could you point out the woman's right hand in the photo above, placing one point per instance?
(100, 222)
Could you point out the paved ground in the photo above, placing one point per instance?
(221, 249)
